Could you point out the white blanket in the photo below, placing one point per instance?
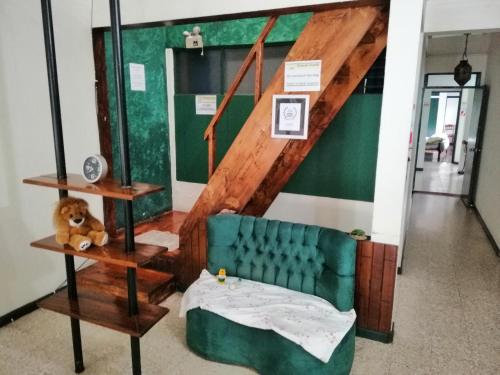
(309, 321)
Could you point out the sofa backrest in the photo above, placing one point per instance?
(306, 258)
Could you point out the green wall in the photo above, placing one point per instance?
(341, 165)
(239, 32)
(147, 119)
(433, 111)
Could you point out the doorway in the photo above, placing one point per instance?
(450, 134)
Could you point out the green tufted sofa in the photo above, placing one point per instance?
(305, 258)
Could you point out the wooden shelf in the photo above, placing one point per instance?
(152, 286)
(112, 253)
(109, 312)
(106, 188)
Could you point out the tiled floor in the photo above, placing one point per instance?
(447, 309)
(439, 178)
(447, 315)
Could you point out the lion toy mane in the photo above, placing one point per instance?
(76, 226)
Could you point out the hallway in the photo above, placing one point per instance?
(447, 308)
(439, 178)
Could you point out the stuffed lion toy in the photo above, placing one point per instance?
(76, 226)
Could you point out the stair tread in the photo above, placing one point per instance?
(152, 286)
(106, 188)
(105, 311)
(112, 253)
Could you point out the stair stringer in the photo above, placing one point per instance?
(335, 96)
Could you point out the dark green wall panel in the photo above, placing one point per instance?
(341, 165)
(147, 119)
(344, 161)
(192, 149)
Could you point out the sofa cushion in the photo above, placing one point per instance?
(306, 258)
(219, 339)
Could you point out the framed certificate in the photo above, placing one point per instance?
(290, 116)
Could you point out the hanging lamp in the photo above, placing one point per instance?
(463, 70)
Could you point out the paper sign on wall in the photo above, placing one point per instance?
(206, 104)
(290, 116)
(137, 77)
(303, 75)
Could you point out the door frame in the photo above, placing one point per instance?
(417, 140)
(470, 200)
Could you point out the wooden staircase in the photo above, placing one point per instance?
(256, 166)
(155, 277)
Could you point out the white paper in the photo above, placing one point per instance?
(137, 77)
(303, 75)
(289, 117)
(206, 104)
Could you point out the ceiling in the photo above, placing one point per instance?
(454, 44)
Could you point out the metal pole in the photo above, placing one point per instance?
(121, 118)
(136, 355)
(116, 35)
(55, 107)
(126, 180)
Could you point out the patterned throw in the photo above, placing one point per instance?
(309, 321)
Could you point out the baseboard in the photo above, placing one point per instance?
(438, 193)
(23, 310)
(487, 232)
(383, 337)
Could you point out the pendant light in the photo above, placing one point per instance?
(463, 70)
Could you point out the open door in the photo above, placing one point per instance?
(472, 144)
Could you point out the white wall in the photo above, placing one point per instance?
(445, 16)
(26, 147)
(464, 121)
(134, 11)
(399, 112)
(488, 193)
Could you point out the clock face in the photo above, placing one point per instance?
(92, 168)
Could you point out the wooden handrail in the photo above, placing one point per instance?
(256, 53)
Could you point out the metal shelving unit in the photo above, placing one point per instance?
(124, 315)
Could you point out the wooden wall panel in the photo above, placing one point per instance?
(375, 282)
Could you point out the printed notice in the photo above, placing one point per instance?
(206, 104)
(303, 75)
(290, 116)
(137, 77)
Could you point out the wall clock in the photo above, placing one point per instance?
(95, 168)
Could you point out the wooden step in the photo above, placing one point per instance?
(152, 286)
(106, 188)
(109, 312)
(166, 261)
(112, 253)
(168, 222)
